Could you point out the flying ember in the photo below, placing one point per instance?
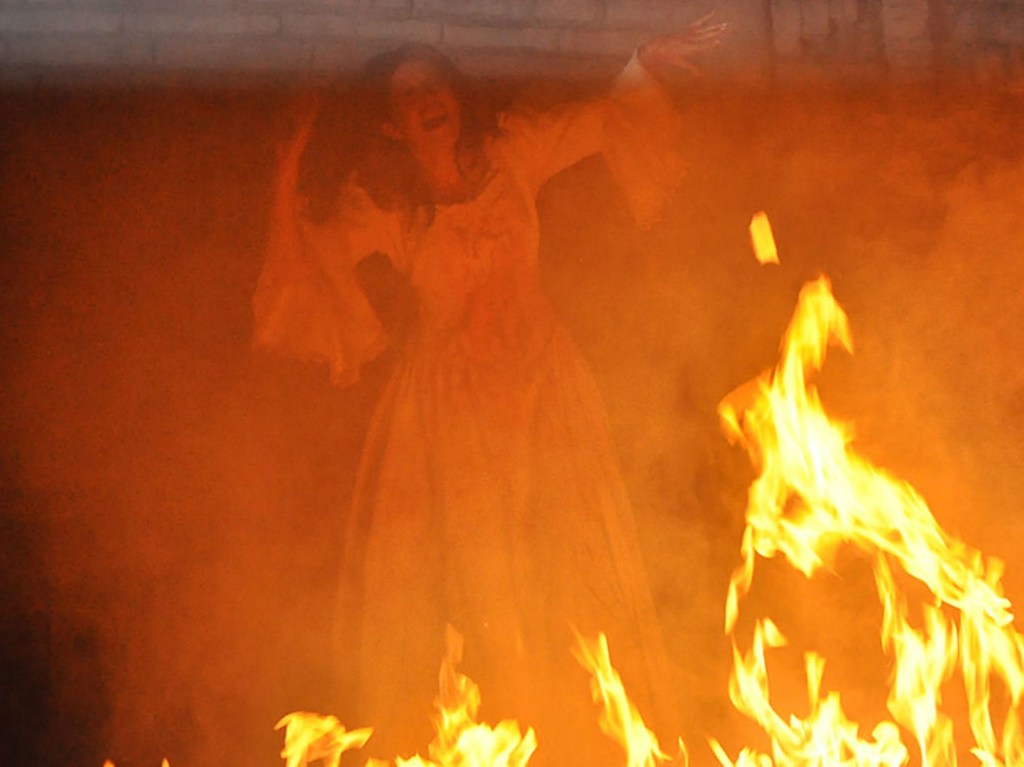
(762, 239)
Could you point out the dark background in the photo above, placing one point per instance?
(172, 501)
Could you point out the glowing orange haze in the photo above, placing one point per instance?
(813, 493)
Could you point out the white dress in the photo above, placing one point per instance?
(489, 495)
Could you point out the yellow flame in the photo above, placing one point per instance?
(813, 492)
(825, 737)
(461, 741)
(762, 239)
(620, 720)
(310, 737)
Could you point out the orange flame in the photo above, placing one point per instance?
(620, 719)
(310, 737)
(461, 741)
(826, 737)
(814, 492)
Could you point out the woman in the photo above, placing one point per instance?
(488, 495)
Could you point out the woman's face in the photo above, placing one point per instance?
(424, 110)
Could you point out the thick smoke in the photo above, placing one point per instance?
(905, 199)
(173, 503)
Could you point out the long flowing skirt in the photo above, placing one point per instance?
(490, 499)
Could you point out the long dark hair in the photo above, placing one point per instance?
(347, 138)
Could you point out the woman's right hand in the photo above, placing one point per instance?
(303, 112)
(287, 226)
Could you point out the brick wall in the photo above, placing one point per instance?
(150, 38)
(967, 39)
(259, 37)
(985, 37)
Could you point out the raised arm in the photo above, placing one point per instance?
(643, 127)
(635, 125)
(668, 57)
(308, 304)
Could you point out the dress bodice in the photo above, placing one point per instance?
(475, 270)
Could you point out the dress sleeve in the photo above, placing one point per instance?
(642, 142)
(635, 126)
(308, 303)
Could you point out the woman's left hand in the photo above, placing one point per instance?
(668, 55)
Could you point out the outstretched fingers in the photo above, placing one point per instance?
(672, 52)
